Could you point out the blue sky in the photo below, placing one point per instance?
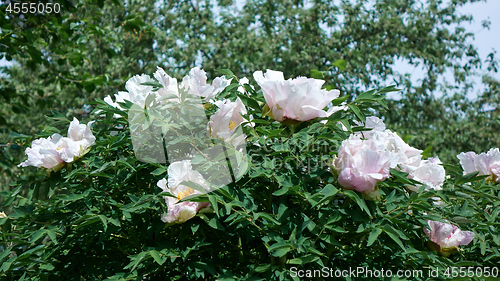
(486, 40)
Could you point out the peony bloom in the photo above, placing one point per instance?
(183, 211)
(136, 93)
(430, 173)
(81, 134)
(195, 83)
(360, 165)
(408, 157)
(169, 84)
(242, 82)
(448, 237)
(372, 122)
(486, 163)
(53, 152)
(226, 121)
(299, 99)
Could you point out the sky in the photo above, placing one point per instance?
(485, 40)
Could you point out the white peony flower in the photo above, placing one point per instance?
(298, 99)
(195, 83)
(136, 93)
(226, 121)
(242, 82)
(486, 163)
(52, 152)
(430, 173)
(183, 211)
(169, 84)
(81, 135)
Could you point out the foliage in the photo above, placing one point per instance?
(99, 218)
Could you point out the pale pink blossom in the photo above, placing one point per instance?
(225, 123)
(430, 173)
(447, 236)
(136, 93)
(408, 157)
(195, 83)
(486, 163)
(179, 212)
(360, 165)
(299, 99)
(51, 153)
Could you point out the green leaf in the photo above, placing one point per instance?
(373, 236)
(341, 64)
(316, 74)
(303, 260)
(394, 236)
(214, 203)
(37, 235)
(157, 257)
(357, 112)
(360, 201)
(159, 171)
(52, 236)
(340, 100)
(470, 178)
(228, 73)
(153, 84)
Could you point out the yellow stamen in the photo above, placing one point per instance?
(232, 125)
(185, 193)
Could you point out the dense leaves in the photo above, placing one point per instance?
(99, 218)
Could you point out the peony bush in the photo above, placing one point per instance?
(281, 180)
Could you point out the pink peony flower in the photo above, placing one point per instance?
(298, 99)
(448, 237)
(360, 165)
(486, 163)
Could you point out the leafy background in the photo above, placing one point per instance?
(98, 219)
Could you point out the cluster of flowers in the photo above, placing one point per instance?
(298, 99)
(485, 163)
(54, 152)
(363, 160)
